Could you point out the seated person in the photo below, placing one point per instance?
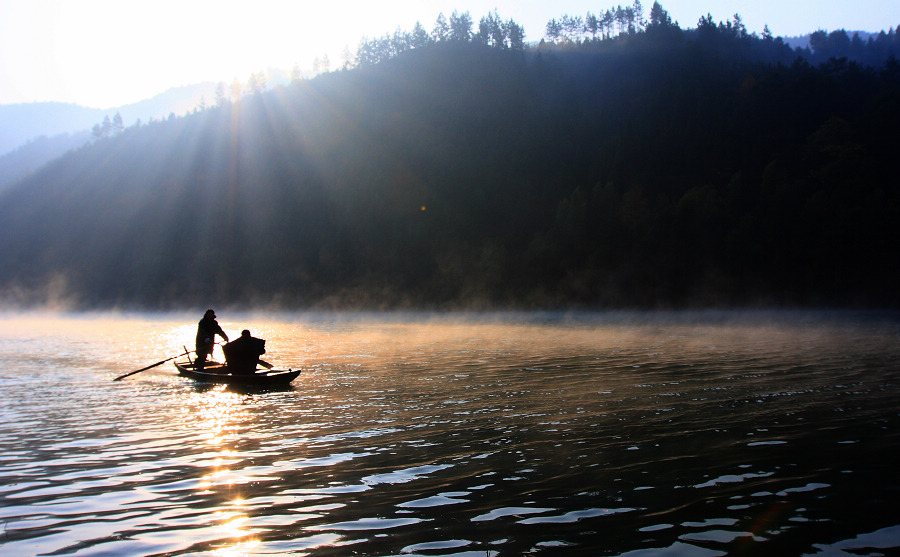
(242, 355)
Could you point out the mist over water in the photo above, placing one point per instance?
(518, 434)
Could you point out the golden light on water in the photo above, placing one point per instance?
(411, 415)
(219, 477)
(234, 525)
(238, 549)
(216, 415)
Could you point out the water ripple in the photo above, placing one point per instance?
(438, 437)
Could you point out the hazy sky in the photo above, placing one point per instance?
(106, 53)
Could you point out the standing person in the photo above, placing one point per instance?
(207, 329)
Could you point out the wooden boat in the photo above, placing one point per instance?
(215, 372)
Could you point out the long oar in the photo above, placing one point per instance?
(266, 364)
(151, 366)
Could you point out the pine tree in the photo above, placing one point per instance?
(118, 126)
(441, 30)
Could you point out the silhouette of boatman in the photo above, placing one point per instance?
(207, 329)
(242, 355)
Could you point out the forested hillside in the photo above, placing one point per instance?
(661, 167)
(35, 154)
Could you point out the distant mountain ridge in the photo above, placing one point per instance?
(20, 123)
(33, 134)
(24, 122)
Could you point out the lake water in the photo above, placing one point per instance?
(607, 434)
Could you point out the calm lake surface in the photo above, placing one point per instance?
(602, 434)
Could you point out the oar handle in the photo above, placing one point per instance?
(150, 366)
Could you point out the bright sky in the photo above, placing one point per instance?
(107, 53)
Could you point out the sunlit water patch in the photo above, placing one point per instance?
(713, 434)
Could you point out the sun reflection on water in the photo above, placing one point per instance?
(218, 414)
(218, 417)
(238, 549)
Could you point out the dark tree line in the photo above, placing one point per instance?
(621, 21)
(666, 167)
(874, 51)
(604, 25)
(492, 31)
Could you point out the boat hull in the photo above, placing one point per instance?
(214, 372)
